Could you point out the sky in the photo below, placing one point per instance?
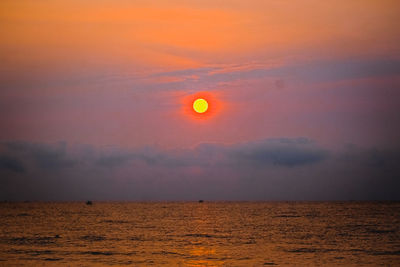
(95, 100)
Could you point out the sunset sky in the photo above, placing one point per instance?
(95, 100)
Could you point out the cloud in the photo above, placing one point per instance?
(43, 156)
(11, 164)
(283, 151)
(271, 169)
(306, 71)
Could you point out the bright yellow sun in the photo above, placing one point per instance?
(200, 105)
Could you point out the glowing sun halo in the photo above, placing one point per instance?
(200, 105)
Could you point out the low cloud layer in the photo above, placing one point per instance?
(272, 169)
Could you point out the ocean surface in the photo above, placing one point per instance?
(200, 234)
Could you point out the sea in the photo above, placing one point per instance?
(200, 234)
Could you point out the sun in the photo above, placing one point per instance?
(200, 105)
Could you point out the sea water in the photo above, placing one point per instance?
(200, 234)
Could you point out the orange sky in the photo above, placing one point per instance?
(98, 94)
(91, 58)
(182, 34)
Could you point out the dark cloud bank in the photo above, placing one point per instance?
(272, 169)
